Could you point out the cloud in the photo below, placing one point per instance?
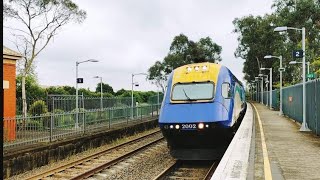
(129, 36)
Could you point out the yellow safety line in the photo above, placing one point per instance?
(266, 163)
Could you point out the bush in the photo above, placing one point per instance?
(38, 107)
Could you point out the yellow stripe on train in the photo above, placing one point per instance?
(198, 72)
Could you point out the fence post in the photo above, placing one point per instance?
(127, 115)
(141, 112)
(157, 109)
(315, 106)
(109, 117)
(151, 110)
(83, 116)
(51, 120)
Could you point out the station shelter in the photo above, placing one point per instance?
(9, 93)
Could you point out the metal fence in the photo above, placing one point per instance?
(155, 99)
(67, 103)
(55, 125)
(292, 103)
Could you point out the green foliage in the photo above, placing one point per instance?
(257, 38)
(57, 90)
(70, 90)
(136, 95)
(316, 66)
(32, 88)
(88, 93)
(38, 108)
(106, 88)
(120, 92)
(183, 51)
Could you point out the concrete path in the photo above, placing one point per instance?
(292, 154)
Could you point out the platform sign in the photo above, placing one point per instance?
(297, 54)
(80, 80)
(311, 75)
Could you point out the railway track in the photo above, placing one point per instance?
(189, 170)
(93, 164)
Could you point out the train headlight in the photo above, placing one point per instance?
(177, 126)
(207, 125)
(189, 69)
(196, 68)
(204, 68)
(200, 125)
(171, 126)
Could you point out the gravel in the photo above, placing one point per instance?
(145, 165)
(79, 156)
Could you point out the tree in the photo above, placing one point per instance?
(33, 89)
(120, 92)
(183, 51)
(257, 39)
(157, 75)
(316, 66)
(106, 88)
(36, 23)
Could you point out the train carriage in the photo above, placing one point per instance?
(203, 105)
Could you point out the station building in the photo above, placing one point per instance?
(9, 92)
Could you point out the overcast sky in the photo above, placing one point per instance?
(129, 36)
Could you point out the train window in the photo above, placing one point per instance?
(193, 91)
(226, 90)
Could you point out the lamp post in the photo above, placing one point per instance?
(101, 93)
(77, 100)
(252, 89)
(132, 75)
(267, 83)
(261, 84)
(257, 84)
(280, 69)
(270, 88)
(308, 65)
(304, 126)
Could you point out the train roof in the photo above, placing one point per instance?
(188, 72)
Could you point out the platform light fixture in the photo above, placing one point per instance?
(304, 126)
(77, 98)
(270, 88)
(280, 69)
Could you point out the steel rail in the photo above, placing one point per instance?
(53, 171)
(211, 170)
(113, 162)
(176, 164)
(168, 169)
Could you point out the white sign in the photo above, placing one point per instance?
(5, 84)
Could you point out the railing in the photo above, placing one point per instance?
(52, 126)
(292, 103)
(67, 103)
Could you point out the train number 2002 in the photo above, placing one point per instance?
(189, 126)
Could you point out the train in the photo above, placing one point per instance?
(203, 106)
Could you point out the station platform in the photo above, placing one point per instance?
(292, 154)
(269, 146)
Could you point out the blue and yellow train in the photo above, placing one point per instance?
(203, 106)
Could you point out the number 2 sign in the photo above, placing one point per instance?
(297, 54)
